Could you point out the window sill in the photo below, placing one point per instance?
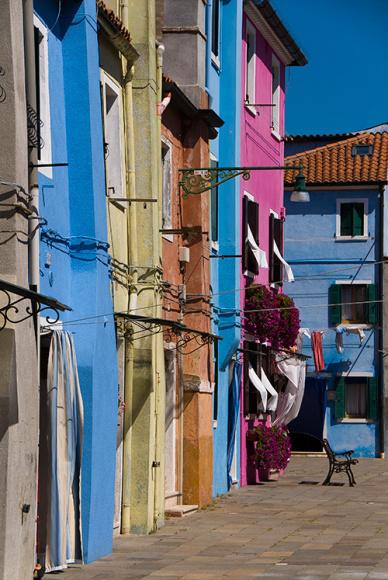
(216, 62)
(351, 238)
(251, 110)
(276, 135)
(359, 421)
(355, 325)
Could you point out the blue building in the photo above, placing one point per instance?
(74, 263)
(334, 244)
(223, 82)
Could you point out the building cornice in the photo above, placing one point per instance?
(287, 56)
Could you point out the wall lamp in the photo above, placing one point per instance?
(195, 181)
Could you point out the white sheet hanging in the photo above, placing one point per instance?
(287, 267)
(260, 255)
(256, 382)
(273, 401)
(290, 401)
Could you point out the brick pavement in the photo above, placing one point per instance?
(276, 530)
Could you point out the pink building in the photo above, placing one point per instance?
(267, 48)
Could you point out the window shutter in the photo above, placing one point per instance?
(358, 219)
(335, 314)
(253, 222)
(371, 306)
(339, 409)
(37, 40)
(271, 252)
(214, 206)
(244, 244)
(346, 219)
(372, 398)
(278, 235)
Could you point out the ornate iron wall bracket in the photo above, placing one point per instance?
(195, 181)
(18, 304)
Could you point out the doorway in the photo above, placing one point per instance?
(306, 430)
(172, 493)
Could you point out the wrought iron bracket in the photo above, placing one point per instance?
(195, 181)
(18, 304)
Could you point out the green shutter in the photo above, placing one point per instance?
(372, 399)
(339, 409)
(372, 305)
(335, 314)
(346, 219)
(358, 219)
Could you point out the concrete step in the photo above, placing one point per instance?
(179, 511)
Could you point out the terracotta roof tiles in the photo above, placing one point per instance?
(335, 164)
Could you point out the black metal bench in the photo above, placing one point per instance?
(339, 462)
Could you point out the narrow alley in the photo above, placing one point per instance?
(293, 528)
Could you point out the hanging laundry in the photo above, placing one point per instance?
(355, 329)
(290, 400)
(316, 344)
(299, 340)
(273, 401)
(287, 267)
(256, 382)
(339, 338)
(260, 255)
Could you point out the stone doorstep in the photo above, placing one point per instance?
(180, 511)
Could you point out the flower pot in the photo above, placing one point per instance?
(273, 475)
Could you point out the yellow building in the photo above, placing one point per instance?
(130, 91)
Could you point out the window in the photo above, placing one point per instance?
(43, 117)
(356, 398)
(258, 356)
(214, 207)
(113, 137)
(166, 187)
(250, 65)
(275, 95)
(275, 235)
(352, 218)
(352, 304)
(216, 30)
(362, 149)
(250, 222)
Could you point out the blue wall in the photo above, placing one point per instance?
(224, 88)
(73, 203)
(318, 260)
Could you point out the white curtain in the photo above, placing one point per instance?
(260, 255)
(65, 411)
(273, 401)
(291, 399)
(256, 382)
(287, 267)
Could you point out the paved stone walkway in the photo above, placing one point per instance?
(279, 529)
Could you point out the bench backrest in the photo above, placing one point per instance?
(328, 449)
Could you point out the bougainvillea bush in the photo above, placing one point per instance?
(271, 317)
(272, 446)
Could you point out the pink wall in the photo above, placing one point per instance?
(259, 146)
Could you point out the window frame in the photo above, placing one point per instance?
(274, 283)
(250, 67)
(214, 193)
(372, 394)
(165, 143)
(107, 80)
(370, 286)
(245, 223)
(250, 393)
(275, 98)
(349, 200)
(43, 106)
(215, 57)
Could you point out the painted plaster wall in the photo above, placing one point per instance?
(259, 146)
(73, 202)
(319, 261)
(189, 147)
(224, 87)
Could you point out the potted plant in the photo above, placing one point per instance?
(272, 449)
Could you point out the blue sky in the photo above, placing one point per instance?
(344, 86)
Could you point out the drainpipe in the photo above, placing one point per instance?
(132, 259)
(29, 55)
(381, 333)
